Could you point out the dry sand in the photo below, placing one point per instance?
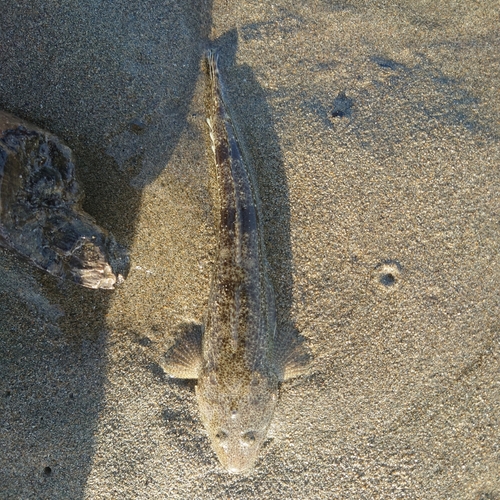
(374, 133)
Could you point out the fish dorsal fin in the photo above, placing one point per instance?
(184, 358)
(292, 357)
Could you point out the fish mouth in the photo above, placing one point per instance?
(237, 465)
(236, 470)
(239, 469)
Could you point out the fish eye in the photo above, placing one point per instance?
(249, 438)
(221, 435)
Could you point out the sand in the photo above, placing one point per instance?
(373, 131)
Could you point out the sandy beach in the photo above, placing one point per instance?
(374, 135)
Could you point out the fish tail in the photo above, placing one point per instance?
(216, 84)
(212, 59)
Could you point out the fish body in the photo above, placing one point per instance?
(238, 361)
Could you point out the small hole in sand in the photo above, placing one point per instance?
(387, 279)
(47, 471)
(387, 275)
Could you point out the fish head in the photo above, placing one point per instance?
(237, 417)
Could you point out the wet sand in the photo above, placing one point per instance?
(373, 132)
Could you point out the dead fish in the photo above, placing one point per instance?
(238, 359)
(41, 217)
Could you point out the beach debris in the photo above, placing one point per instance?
(41, 215)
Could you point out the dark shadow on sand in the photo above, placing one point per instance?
(107, 78)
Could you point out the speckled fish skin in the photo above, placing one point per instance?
(238, 385)
(238, 360)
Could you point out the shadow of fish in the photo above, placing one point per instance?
(237, 358)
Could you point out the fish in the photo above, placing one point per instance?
(238, 358)
(41, 214)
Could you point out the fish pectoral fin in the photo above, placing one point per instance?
(184, 358)
(297, 363)
(293, 358)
